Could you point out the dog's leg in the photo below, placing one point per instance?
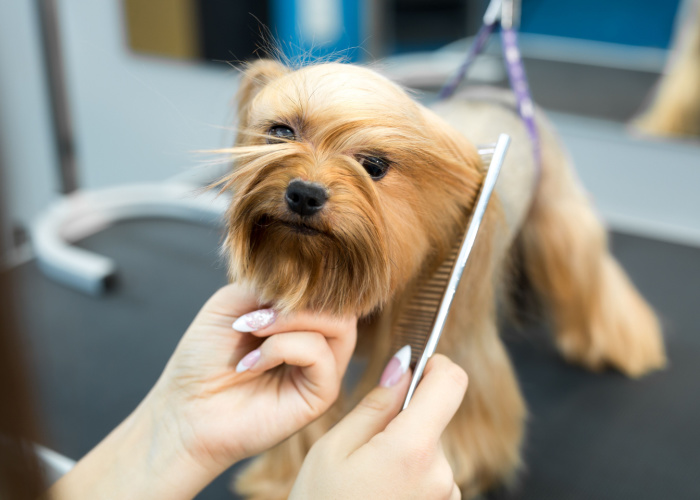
(599, 318)
(483, 440)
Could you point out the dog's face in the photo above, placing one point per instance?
(343, 187)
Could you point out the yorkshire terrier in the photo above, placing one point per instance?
(346, 191)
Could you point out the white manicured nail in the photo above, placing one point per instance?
(397, 366)
(255, 320)
(248, 360)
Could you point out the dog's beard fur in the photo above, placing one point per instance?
(372, 236)
(331, 262)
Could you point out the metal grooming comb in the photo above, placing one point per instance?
(422, 320)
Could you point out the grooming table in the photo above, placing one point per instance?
(589, 436)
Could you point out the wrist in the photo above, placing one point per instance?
(166, 447)
(141, 459)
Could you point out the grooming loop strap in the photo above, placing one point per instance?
(502, 11)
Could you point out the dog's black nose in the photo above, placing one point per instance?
(305, 198)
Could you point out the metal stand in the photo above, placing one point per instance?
(83, 213)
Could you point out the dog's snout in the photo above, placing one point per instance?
(305, 198)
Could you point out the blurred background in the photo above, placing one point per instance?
(104, 104)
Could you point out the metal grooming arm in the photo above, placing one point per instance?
(82, 213)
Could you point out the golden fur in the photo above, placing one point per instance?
(364, 251)
(675, 109)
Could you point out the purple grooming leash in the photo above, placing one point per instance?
(502, 10)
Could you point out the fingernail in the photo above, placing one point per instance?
(248, 360)
(255, 320)
(397, 366)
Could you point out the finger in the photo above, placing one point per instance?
(307, 350)
(340, 332)
(435, 401)
(456, 493)
(331, 326)
(230, 301)
(369, 417)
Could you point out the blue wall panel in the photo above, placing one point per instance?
(647, 23)
(297, 44)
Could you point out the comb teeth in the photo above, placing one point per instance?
(416, 319)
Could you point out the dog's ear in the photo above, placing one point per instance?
(256, 75)
(458, 157)
(456, 165)
(452, 145)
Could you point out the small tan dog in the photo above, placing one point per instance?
(346, 191)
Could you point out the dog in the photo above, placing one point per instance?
(346, 191)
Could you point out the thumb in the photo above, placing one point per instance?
(378, 408)
(232, 300)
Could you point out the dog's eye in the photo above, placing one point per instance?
(376, 167)
(278, 132)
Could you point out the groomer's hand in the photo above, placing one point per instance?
(375, 453)
(243, 379)
(224, 395)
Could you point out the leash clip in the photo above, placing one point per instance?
(505, 11)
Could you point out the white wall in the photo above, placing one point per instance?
(640, 186)
(27, 153)
(137, 118)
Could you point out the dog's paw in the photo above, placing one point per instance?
(611, 326)
(629, 341)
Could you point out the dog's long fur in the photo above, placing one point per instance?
(363, 252)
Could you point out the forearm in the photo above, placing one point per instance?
(140, 459)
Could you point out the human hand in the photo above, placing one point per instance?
(203, 414)
(375, 453)
(225, 410)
